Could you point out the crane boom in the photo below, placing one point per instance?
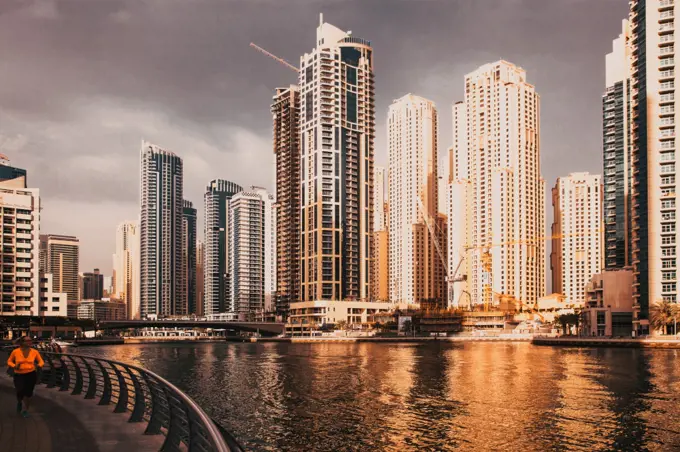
(271, 55)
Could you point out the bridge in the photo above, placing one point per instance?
(91, 404)
(264, 328)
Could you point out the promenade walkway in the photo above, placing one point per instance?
(61, 422)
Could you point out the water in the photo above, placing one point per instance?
(432, 396)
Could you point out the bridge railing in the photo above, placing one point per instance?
(141, 395)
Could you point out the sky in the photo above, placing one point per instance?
(82, 82)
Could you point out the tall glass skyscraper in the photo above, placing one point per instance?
(162, 292)
(189, 254)
(337, 130)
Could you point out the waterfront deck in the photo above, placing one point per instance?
(61, 422)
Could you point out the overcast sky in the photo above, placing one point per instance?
(83, 81)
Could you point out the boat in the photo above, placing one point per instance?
(63, 344)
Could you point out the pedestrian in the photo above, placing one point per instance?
(22, 363)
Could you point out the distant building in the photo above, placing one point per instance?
(381, 248)
(217, 293)
(126, 268)
(317, 314)
(162, 292)
(189, 254)
(608, 310)
(52, 304)
(577, 252)
(8, 172)
(20, 219)
(252, 247)
(200, 288)
(60, 256)
(99, 310)
(93, 285)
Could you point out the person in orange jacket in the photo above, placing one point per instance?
(23, 363)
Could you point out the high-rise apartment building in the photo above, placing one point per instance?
(337, 130)
(252, 247)
(653, 75)
(200, 287)
(162, 292)
(496, 173)
(381, 266)
(20, 218)
(60, 256)
(92, 285)
(286, 118)
(126, 268)
(416, 232)
(216, 280)
(189, 255)
(617, 148)
(577, 252)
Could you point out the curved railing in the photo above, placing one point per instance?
(143, 395)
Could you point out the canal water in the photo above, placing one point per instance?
(432, 396)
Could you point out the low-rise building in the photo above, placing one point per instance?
(608, 309)
(52, 304)
(318, 314)
(99, 310)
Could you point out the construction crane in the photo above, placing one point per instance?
(271, 55)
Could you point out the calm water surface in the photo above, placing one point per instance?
(434, 396)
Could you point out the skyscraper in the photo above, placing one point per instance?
(200, 284)
(126, 268)
(189, 254)
(93, 285)
(60, 256)
(617, 148)
(380, 198)
(286, 118)
(416, 229)
(217, 293)
(20, 218)
(161, 290)
(497, 136)
(577, 234)
(337, 130)
(381, 258)
(252, 248)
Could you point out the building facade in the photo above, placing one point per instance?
(416, 235)
(216, 280)
(617, 148)
(608, 309)
(92, 285)
(286, 118)
(252, 247)
(497, 142)
(654, 112)
(20, 212)
(577, 251)
(99, 310)
(60, 256)
(126, 268)
(189, 255)
(52, 304)
(161, 202)
(337, 131)
(200, 283)
(381, 247)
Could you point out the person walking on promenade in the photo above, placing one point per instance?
(22, 362)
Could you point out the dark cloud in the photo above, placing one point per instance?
(83, 81)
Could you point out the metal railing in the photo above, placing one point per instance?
(141, 394)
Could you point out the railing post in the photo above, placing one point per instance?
(78, 386)
(106, 390)
(121, 405)
(173, 437)
(140, 403)
(155, 422)
(52, 377)
(92, 381)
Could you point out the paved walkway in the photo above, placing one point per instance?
(61, 422)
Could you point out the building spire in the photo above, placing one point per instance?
(320, 19)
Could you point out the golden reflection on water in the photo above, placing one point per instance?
(436, 396)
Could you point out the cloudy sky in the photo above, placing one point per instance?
(83, 81)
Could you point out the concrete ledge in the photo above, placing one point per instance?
(605, 342)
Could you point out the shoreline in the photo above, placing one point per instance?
(590, 342)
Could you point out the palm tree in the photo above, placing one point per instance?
(661, 314)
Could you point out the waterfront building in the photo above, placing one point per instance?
(99, 310)
(617, 157)
(316, 314)
(189, 255)
(216, 279)
(497, 136)
(608, 309)
(126, 268)
(654, 205)
(337, 131)
(92, 287)
(417, 231)
(286, 118)
(161, 290)
(200, 268)
(576, 234)
(52, 304)
(60, 256)
(20, 218)
(252, 248)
